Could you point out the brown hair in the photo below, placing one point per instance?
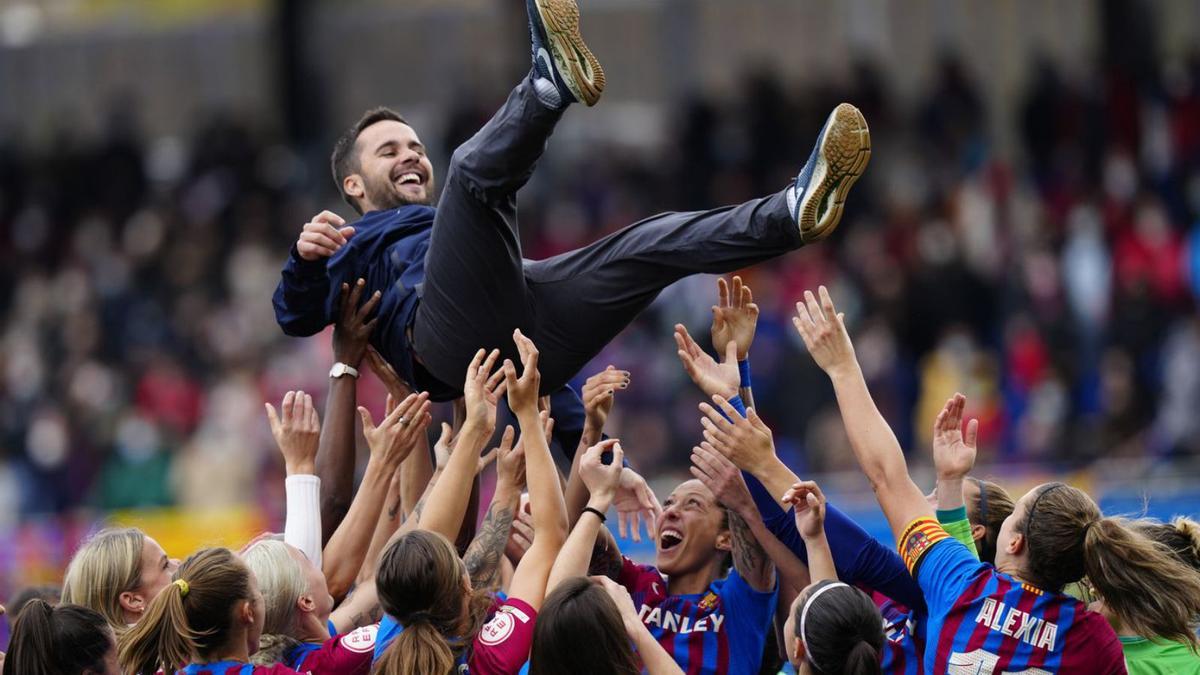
(61, 640)
(345, 159)
(1181, 535)
(109, 564)
(189, 619)
(1141, 581)
(420, 585)
(843, 632)
(579, 630)
(993, 507)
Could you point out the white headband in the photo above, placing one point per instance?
(804, 616)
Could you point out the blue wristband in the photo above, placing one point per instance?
(744, 371)
(737, 404)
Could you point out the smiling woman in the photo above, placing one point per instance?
(117, 573)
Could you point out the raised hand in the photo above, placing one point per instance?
(353, 330)
(297, 432)
(482, 390)
(395, 386)
(735, 317)
(598, 395)
(523, 390)
(635, 502)
(602, 479)
(723, 478)
(713, 378)
(521, 536)
(809, 502)
(746, 441)
(624, 602)
(954, 453)
(396, 436)
(323, 236)
(510, 461)
(823, 330)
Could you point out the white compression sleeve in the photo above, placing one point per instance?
(302, 527)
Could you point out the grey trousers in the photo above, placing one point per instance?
(478, 287)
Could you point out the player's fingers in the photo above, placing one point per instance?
(722, 292)
(330, 217)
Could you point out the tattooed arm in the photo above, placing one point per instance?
(749, 558)
(482, 558)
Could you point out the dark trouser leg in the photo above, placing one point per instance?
(584, 298)
(475, 293)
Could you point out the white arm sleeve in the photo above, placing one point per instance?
(302, 527)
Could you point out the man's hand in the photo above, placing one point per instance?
(396, 387)
(746, 441)
(352, 330)
(724, 479)
(601, 479)
(482, 391)
(954, 455)
(297, 432)
(598, 395)
(635, 501)
(809, 502)
(713, 378)
(823, 330)
(735, 317)
(523, 390)
(396, 436)
(323, 236)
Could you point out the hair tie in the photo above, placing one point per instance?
(804, 617)
(183, 587)
(1087, 528)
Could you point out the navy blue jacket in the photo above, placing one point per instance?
(387, 251)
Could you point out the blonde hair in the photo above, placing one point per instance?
(107, 565)
(191, 618)
(282, 582)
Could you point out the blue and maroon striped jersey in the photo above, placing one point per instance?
(904, 644)
(234, 668)
(720, 631)
(982, 621)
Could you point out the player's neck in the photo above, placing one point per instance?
(312, 630)
(691, 583)
(234, 650)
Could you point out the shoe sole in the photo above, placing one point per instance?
(842, 158)
(578, 67)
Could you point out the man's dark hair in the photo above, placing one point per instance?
(345, 160)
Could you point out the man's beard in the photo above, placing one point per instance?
(385, 196)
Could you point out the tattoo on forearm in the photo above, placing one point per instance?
(482, 557)
(394, 509)
(606, 557)
(367, 617)
(748, 555)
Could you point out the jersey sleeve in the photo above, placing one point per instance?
(749, 614)
(942, 566)
(348, 654)
(502, 646)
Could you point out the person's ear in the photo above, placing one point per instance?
(306, 603)
(245, 612)
(978, 532)
(725, 541)
(353, 186)
(132, 602)
(1016, 545)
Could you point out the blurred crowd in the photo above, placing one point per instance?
(1053, 282)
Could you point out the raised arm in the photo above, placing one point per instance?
(447, 503)
(810, 521)
(483, 555)
(335, 461)
(296, 428)
(725, 481)
(824, 333)
(545, 494)
(735, 319)
(601, 480)
(389, 443)
(655, 659)
(417, 470)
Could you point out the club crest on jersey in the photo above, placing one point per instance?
(709, 601)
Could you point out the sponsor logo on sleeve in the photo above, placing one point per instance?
(498, 629)
(361, 640)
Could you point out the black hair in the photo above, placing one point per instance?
(63, 640)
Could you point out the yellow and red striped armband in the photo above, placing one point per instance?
(920, 535)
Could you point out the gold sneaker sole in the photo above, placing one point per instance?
(842, 158)
(577, 65)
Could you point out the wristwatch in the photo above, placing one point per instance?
(339, 369)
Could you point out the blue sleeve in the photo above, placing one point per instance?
(749, 613)
(942, 566)
(389, 628)
(302, 298)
